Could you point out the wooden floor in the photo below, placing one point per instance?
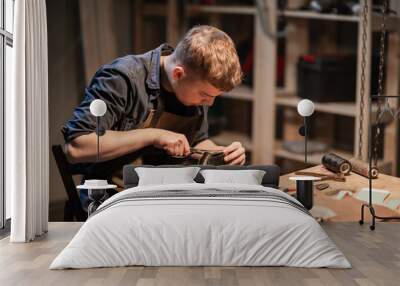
(375, 257)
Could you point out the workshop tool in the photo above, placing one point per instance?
(362, 168)
(323, 177)
(207, 157)
(330, 192)
(196, 151)
(322, 186)
(336, 163)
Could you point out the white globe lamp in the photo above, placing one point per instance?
(305, 107)
(98, 107)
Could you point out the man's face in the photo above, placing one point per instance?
(192, 91)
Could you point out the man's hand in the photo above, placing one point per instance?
(234, 154)
(175, 144)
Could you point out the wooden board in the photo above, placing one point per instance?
(348, 208)
(263, 127)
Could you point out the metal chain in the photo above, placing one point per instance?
(384, 8)
(362, 81)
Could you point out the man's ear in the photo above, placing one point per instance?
(178, 72)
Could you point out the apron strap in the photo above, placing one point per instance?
(160, 106)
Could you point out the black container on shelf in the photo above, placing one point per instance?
(326, 78)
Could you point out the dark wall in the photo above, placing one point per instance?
(65, 81)
(67, 66)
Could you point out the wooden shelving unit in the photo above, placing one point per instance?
(168, 11)
(245, 94)
(392, 21)
(317, 16)
(297, 43)
(264, 96)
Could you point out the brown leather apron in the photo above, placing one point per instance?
(159, 118)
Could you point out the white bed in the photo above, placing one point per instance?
(223, 224)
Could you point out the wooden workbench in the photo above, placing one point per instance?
(349, 208)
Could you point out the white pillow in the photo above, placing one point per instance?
(248, 177)
(162, 176)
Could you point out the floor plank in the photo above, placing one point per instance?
(375, 257)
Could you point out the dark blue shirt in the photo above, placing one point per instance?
(129, 86)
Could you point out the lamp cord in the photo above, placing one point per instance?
(305, 139)
(98, 137)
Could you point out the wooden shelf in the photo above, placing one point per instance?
(312, 158)
(264, 94)
(221, 9)
(318, 16)
(154, 10)
(227, 137)
(340, 108)
(392, 21)
(315, 159)
(241, 92)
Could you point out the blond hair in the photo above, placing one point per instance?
(210, 53)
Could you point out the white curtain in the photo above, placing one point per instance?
(27, 138)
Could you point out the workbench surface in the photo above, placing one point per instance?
(349, 208)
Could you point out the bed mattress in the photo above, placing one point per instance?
(201, 225)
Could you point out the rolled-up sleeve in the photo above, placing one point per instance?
(109, 85)
(202, 133)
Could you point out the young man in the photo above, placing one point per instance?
(156, 102)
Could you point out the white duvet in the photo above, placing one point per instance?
(183, 231)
